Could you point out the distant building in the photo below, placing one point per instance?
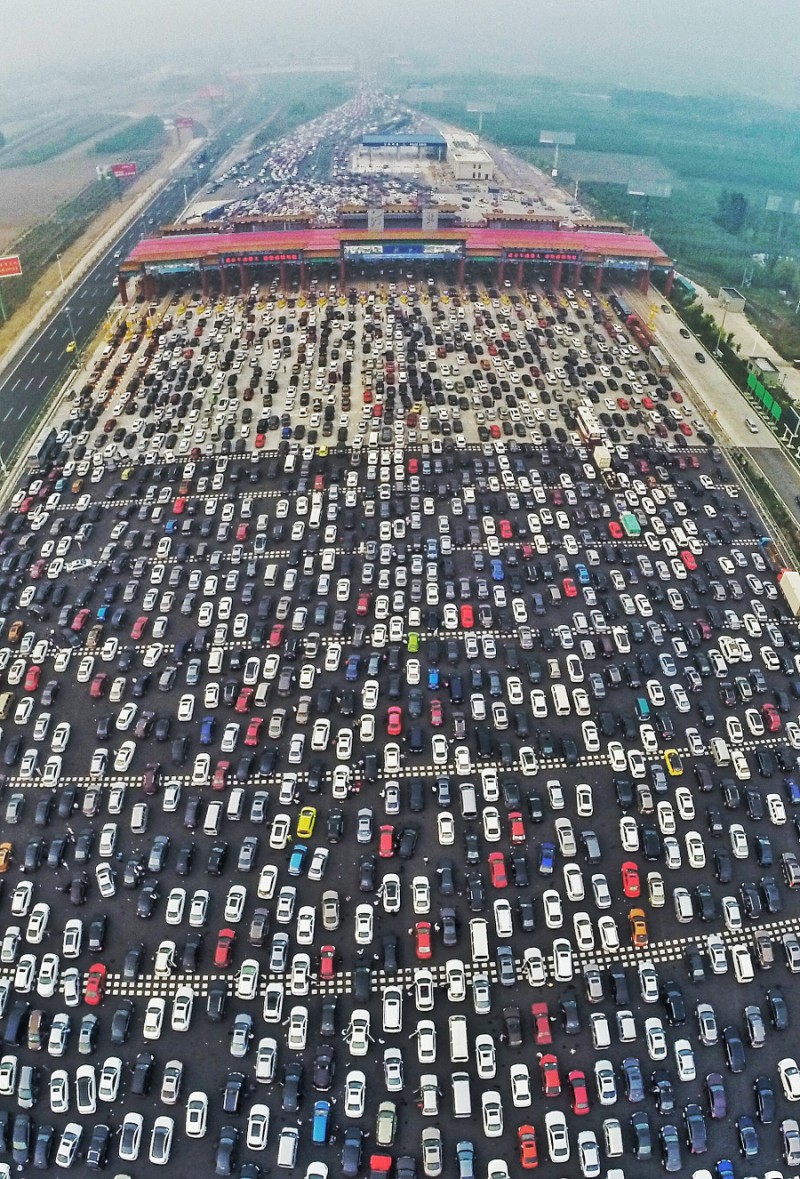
(765, 371)
(468, 160)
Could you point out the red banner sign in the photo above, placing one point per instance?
(10, 266)
(123, 171)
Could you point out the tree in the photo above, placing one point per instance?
(731, 210)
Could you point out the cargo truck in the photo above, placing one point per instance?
(602, 457)
(789, 582)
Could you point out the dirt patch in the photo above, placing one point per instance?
(29, 195)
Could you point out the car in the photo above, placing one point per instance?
(558, 1145)
(527, 1146)
(492, 1113)
(790, 1078)
(196, 1114)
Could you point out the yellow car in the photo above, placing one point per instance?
(71, 346)
(413, 642)
(5, 856)
(305, 822)
(673, 762)
(638, 925)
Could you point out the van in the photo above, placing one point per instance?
(469, 801)
(561, 702)
(287, 1147)
(6, 704)
(262, 694)
(215, 658)
(612, 1139)
(235, 807)
(271, 574)
(459, 1043)
(213, 818)
(791, 869)
(478, 939)
(462, 1098)
(720, 753)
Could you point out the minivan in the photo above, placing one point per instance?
(235, 807)
(479, 940)
(469, 801)
(287, 1146)
(462, 1098)
(561, 702)
(213, 818)
(459, 1041)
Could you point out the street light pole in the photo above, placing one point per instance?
(71, 327)
(721, 326)
(60, 271)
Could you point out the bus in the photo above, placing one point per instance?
(588, 425)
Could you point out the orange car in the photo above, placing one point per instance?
(528, 1154)
(638, 924)
(5, 856)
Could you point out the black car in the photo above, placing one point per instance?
(568, 1004)
(146, 901)
(717, 1098)
(446, 873)
(97, 1150)
(662, 1090)
(323, 1068)
(764, 1089)
(352, 1150)
(216, 859)
(366, 875)
(292, 1087)
(642, 1136)
(328, 1017)
(407, 842)
(121, 1021)
(225, 1155)
(43, 1147)
(190, 958)
(142, 1075)
(632, 1079)
(97, 933)
(778, 1009)
(232, 1092)
(217, 1000)
(696, 1130)
(734, 1049)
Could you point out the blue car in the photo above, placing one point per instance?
(171, 525)
(498, 572)
(297, 859)
(547, 852)
(103, 613)
(725, 1169)
(321, 1123)
(582, 573)
(433, 677)
(792, 790)
(351, 668)
(207, 729)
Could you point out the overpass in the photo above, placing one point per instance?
(587, 254)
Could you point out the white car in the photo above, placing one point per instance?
(584, 932)
(358, 1033)
(21, 898)
(153, 1019)
(563, 964)
(266, 1059)
(684, 1059)
(492, 1113)
(364, 925)
(426, 1041)
(456, 980)
(492, 830)
(37, 923)
(176, 902)
(47, 980)
(182, 1005)
(446, 828)
(656, 1038)
(790, 1078)
(521, 1095)
(573, 882)
(298, 1029)
(609, 934)
(109, 1079)
(355, 1091)
(533, 966)
(558, 1146)
(629, 833)
(257, 1127)
(234, 903)
(421, 895)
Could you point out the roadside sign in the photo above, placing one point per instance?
(10, 266)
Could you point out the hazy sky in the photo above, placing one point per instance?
(686, 45)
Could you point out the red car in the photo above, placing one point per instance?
(38, 568)
(224, 949)
(526, 1140)
(615, 528)
(631, 884)
(253, 730)
(97, 688)
(704, 628)
(394, 721)
(139, 627)
(219, 781)
(422, 933)
(676, 395)
(494, 430)
(80, 620)
(437, 718)
(497, 868)
(506, 531)
(260, 441)
(386, 844)
(276, 635)
(413, 466)
(648, 403)
(551, 1082)
(362, 606)
(570, 589)
(579, 1098)
(623, 403)
(242, 532)
(771, 717)
(34, 674)
(179, 507)
(243, 700)
(327, 962)
(688, 559)
(686, 429)
(517, 827)
(541, 1023)
(467, 616)
(95, 984)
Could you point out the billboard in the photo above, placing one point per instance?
(558, 138)
(10, 266)
(172, 267)
(542, 255)
(404, 251)
(629, 263)
(123, 171)
(261, 256)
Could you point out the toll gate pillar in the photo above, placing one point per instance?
(668, 283)
(461, 269)
(122, 287)
(576, 275)
(644, 281)
(557, 272)
(244, 282)
(302, 275)
(204, 283)
(598, 277)
(223, 277)
(342, 274)
(283, 276)
(519, 274)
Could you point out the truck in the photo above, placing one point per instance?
(789, 581)
(659, 362)
(771, 554)
(630, 524)
(602, 457)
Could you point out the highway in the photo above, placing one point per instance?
(30, 381)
